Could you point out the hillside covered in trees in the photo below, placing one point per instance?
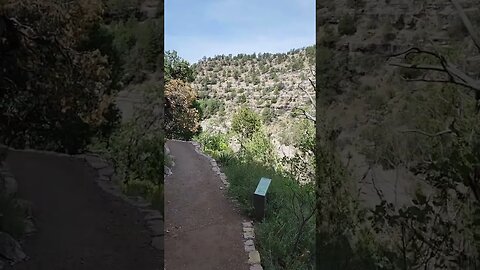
(278, 87)
(271, 84)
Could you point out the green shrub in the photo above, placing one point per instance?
(259, 148)
(214, 144)
(246, 122)
(209, 107)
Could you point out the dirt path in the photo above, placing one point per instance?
(79, 225)
(204, 231)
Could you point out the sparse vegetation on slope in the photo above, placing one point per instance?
(270, 84)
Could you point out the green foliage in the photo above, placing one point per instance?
(246, 122)
(259, 148)
(102, 38)
(439, 229)
(346, 26)
(137, 149)
(215, 145)
(297, 65)
(298, 132)
(177, 68)
(125, 37)
(209, 107)
(242, 98)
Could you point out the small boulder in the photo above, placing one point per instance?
(254, 257)
(167, 171)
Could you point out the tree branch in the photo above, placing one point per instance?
(467, 23)
(312, 101)
(443, 132)
(456, 76)
(307, 115)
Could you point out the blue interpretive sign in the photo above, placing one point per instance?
(259, 198)
(262, 186)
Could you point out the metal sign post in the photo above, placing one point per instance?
(259, 198)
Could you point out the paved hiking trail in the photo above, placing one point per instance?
(79, 225)
(203, 229)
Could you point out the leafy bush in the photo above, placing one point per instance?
(246, 122)
(181, 116)
(209, 107)
(214, 144)
(177, 68)
(259, 148)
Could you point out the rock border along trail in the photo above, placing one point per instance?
(215, 228)
(80, 225)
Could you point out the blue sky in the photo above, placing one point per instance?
(197, 28)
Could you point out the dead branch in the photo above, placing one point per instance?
(443, 132)
(374, 184)
(467, 23)
(312, 101)
(307, 115)
(455, 75)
